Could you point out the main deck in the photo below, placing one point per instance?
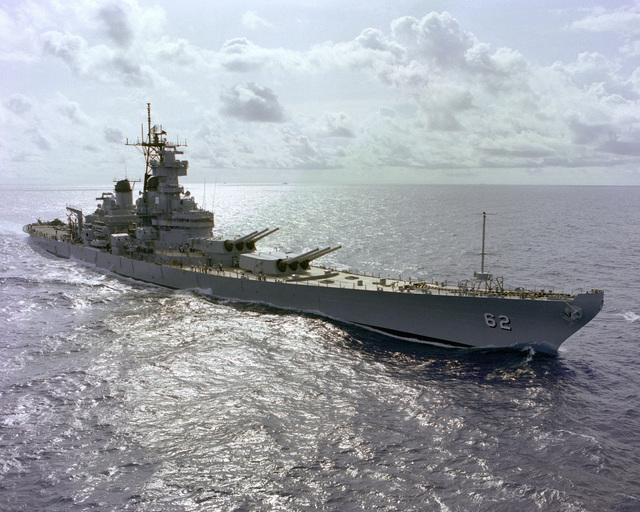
(194, 261)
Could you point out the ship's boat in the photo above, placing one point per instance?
(166, 239)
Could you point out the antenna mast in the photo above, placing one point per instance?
(204, 195)
(147, 150)
(484, 223)
(152, 145)
(149, 121)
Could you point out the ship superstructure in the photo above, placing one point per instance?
(166, 239)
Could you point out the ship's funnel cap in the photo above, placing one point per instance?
(123, 186)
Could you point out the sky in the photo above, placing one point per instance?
(376, 91)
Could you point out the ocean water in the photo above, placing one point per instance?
(115, 395)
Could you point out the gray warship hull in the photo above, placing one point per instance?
(436, 316)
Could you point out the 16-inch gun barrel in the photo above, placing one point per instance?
(302, 256)
(263, 234)
(251, 242)
(245, 238)
(324, 252)
(304, 259)
(248, 241)
(304, 263)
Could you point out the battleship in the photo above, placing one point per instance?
(166, 239)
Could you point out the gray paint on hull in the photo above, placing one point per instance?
(450, 320)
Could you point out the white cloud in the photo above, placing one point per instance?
(113, 135)
(260, 146)
(252, 21)
(591, 68)
(180, 52)
(39, 139)
(336, 125)
(102, 41)
(98, 62)
(19, 104)
(631, 49)
(16, 42)
(252, 102)
(71, 110)
(434, 39)
(624, 20)
(72, 49)
(242, 55)
(117, 23)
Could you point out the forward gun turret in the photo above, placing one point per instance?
(238, 243)
(248, 241)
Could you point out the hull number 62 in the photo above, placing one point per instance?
(503, 321)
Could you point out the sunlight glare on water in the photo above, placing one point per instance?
(116, 395)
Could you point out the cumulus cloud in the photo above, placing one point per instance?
(16, 39)
(336, 125)
(251, 20)
(417, 52)
(242, 55)
(252, 102)
(72, 49)
(117, 24)
(590, 68)
(116, 49)
(261, 146)
(19, 104)
(180, 52)
(71, 110)
(98, 62)
(624, 20)
(40, 139)
(113, 135)
(622, 147)
(489, 107)
(435, 39)
(303, 148)
(370, 52)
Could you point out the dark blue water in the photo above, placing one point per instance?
(120, 396)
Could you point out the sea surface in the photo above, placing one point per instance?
(117, 395)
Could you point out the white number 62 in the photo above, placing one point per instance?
(504, 322)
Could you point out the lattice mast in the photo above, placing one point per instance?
(153, 147)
